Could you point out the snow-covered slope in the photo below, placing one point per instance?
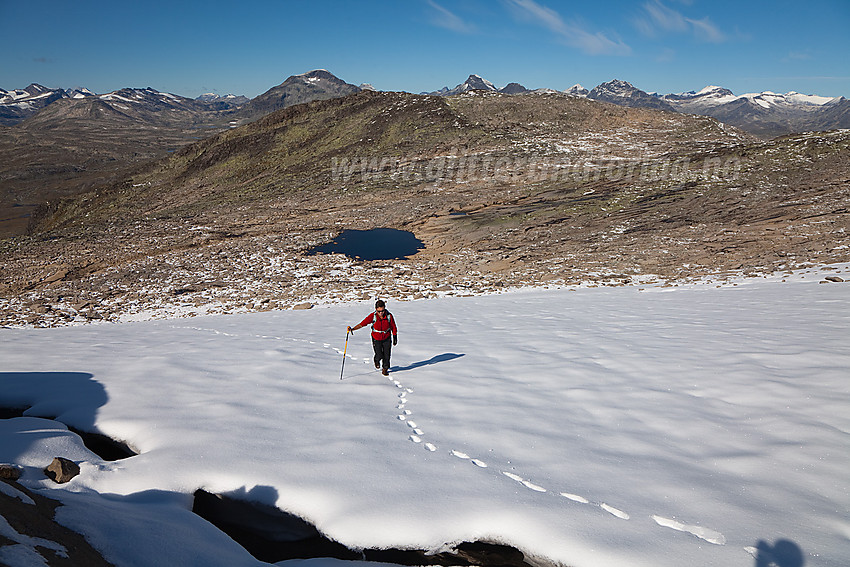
(697, 426)
(713, 96)
(765, 113)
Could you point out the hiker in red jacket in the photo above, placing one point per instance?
(382, 325)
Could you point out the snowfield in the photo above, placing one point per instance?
(696, 425)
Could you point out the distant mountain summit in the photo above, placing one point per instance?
(473, 83)
(18, 105)
(513, 88)
(319, 84)
(625, 94)
(713, 96)
(229, 100)
(693, 101)
(577, 90)
(767, 113)
(478, 83)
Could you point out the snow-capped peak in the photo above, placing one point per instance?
(711, 89)
(473, 83)
(79, 92)
(577, 90)
(476, 82)
(809, 99)
(317, 75)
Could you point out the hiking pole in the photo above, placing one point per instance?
(347, 332)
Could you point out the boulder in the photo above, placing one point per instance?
(10, 472)
(303, 306)
(61, 470)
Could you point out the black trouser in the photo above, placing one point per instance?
(382, 351)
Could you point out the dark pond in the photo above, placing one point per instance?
(375, 244)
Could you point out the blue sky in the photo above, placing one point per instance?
(191, 47)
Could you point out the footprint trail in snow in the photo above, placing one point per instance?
(416, 434)
(404, 415)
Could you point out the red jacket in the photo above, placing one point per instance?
(380, 327)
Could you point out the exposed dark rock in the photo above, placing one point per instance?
(10, 472)
(9, 413)
(105, 447)
(268, 533)
(32, 516)
(62, 470)
(273, 535)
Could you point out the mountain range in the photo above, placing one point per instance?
(764, 114)
(503, 190)
(21, 104)
(60, 142)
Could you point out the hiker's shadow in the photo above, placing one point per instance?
(445, 357)
(783, 553)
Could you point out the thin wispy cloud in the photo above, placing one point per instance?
(705, 30)
(445, 18)
(798, 56)
(658, 19)
(570, 33)
(663, 18)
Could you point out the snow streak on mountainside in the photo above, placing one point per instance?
(713, 96)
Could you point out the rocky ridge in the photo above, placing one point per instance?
(75, 139)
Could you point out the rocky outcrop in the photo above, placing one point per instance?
(10, 472)
(62, 470)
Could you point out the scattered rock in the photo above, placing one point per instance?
(10, 472)
(61, 470)
(184, 290)
(56, 276)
